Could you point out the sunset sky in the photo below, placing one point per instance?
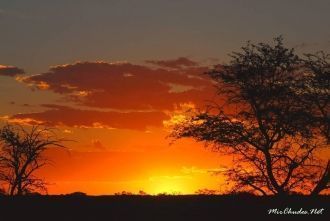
(113, 75)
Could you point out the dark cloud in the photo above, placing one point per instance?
(176, 63)
(62, 115)
(126, 85)
(10, 71)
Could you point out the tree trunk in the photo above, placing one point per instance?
(280, 190)
(13, 188)
(19, 189)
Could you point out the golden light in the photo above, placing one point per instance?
(169, 185)
(174, 120)
(180, 115)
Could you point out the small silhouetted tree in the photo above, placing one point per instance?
(142, 193)
(206, 191)
(274, 120)
(21, 154)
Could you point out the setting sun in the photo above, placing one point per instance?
(168, 185)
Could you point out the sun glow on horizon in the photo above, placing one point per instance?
(169, 185)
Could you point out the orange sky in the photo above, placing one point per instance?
(118, 115)
(182, 168)
(108, 74)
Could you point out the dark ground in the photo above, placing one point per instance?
(158, 208)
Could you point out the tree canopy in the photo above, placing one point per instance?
(274, 120)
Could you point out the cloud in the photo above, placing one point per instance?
(127, 86)
(118, 95)
(10, 71)
(67, 131)
(58, 115)
(22, 121)
(176, 63)
(196, 170)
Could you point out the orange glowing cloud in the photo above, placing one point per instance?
(119, 95)
(126, 85)
(67, 116)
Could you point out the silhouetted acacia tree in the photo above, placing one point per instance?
(21, 154)
(274, 120)
(315, 91)
(315, 95)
